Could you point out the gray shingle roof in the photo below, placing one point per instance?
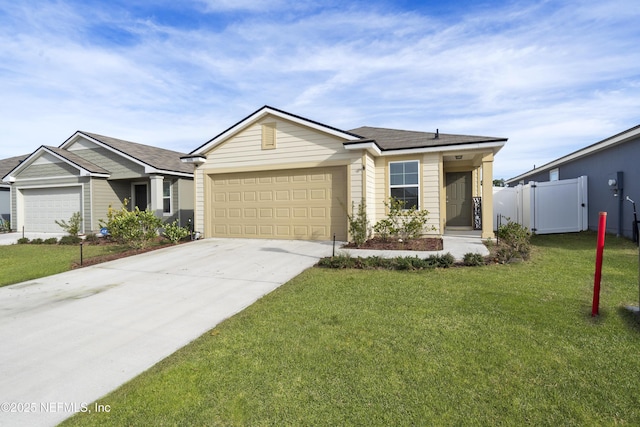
(7, 165)
(77, 160)
(158, 158)
(394, 139)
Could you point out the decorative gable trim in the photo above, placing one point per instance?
(148, 169)
(263, 112)
(36, 155)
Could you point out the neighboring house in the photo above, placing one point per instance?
(88, 173)
(278, 175)
(611, 166)
(6, 165)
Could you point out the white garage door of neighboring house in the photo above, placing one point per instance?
(43, 206)
(308, 204)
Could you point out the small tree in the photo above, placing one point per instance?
(73, 226)
(359, 224)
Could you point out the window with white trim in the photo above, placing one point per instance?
(554, 174)
(404, 182)
(166, 197)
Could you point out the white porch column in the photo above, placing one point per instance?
(156, 194)
(487, 196)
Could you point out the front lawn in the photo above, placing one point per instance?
(495, 345)
(26, 262)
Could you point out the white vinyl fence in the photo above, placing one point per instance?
(544, 207)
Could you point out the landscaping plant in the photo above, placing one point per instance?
(359, 229)
(402, 223)
(174, 232)
(73, 226)
(134, 228)
(514, 242)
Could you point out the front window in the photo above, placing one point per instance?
(554, 175)
(403, 179)
(166, 197)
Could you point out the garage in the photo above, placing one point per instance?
(43, 206)
(305, 204)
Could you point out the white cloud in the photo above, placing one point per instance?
(551, 76)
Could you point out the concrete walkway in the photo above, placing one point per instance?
(68, 339)
(12, 238)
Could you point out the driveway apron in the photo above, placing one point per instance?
(68, 339)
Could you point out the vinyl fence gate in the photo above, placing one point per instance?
(544, 207)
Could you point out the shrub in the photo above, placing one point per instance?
(345, 260)
(51, 241)
(443, 261)
(91, 238)
(73, 226)
(514, 242)
(359, 229)
(23, 241)
(36, 241)
(402, 223)
(342, 260)
(133, 228)
(174, 232)
(472, 259)
(70, 240)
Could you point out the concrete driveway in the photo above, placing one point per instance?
(68, 339)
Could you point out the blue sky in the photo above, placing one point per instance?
(552, 76)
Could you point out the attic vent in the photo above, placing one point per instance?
(269, 136)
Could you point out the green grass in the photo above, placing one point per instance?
(26, 262)
(494, 345)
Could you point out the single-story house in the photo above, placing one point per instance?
(612, 171)
(6, 165)
(278, 175)
(88, 173)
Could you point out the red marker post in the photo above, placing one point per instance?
(602, 227)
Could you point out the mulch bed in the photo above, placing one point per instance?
(111, 257)
(422, 244)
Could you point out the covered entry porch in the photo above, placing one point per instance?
(467, 194)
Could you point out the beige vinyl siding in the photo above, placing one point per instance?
(382, 192)
(356, 182)
(430, 170)
(295, 145)
(198, 214)
(118, 166)
(370, 191)
(431, 189)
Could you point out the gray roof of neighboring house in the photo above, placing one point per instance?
(158, 158)
(612, 141)
(394, 139)
(7, 165)
(77, 160)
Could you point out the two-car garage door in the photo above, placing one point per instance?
(43, 206)
(307, 204)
